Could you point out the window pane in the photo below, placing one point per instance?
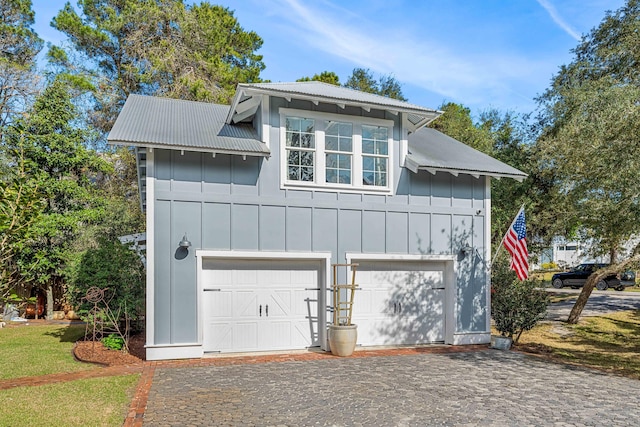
(308, 140)
(345, 177)
(345, 144)
(294, 173)
(332, 175)
(346, 129)
(307, 125)
(331, 143)
(381, 147)
(293, 139)
(381, 179)
(293, 124)
(332, 161)
(367, 178)
(344, 161)
(294, 157)
(306, 174)
(381, 165)
(367, 132)
(306, 158)
(333, 128)
(367, 163)
(367, 146)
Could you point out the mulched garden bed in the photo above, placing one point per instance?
(96, 352)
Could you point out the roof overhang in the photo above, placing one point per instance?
(248, 98)
(264, 151)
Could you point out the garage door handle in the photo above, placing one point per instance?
(212, 290)
(260, 310)
(394, 308)
(399, 308)
(311, 289)
(266, 310)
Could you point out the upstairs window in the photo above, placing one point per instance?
(301, 145)
(341, 153)
(375, 155)
(338, 148)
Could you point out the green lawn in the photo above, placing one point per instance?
(29, 350)
(40, 350)
(610, 342)
(90, 402)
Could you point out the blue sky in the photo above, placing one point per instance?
(480, 53)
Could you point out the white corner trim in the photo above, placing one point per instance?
(174, 351)
(266, 121)
(487, 245)
(150, 297)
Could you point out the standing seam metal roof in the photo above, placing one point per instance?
(147, 121)
(433, 150)
(338, 93)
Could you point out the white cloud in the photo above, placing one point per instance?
(555, 16)
(419, 59)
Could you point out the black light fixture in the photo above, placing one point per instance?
(466, 249)
(184, 243)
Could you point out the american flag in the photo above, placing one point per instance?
(516, 243)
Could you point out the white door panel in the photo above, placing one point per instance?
(261, 305)
(399, 303)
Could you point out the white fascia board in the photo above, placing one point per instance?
(474, 173)
(429, 114)
(151, 146)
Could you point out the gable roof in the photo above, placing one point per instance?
(147, 121)
(243, 103)
(434, 151)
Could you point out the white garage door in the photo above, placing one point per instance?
(258, 305)
(399, 302)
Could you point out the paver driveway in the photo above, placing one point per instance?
(485, 387)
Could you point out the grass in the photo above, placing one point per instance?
(30, 350)
(610, 343)
(33, 350)
(89, 402)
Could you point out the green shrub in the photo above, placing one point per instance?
(113, 342)
(516, 306)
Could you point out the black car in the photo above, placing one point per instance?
(577, 276)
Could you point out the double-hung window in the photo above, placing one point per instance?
(300, 146)
(338, 148)
(339, 153)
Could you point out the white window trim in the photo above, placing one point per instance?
(320, 166)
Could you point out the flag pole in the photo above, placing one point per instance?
(505, 235)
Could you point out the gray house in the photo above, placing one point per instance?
(248, 206)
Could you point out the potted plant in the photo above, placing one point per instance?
(343, 335)
(516, 306)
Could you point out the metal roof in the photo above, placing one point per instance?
(147, 121)
(325, 92)
(434, 151)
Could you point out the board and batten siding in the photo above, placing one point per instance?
(230, 203)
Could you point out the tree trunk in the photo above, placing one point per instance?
(576, 311)
(49, 302)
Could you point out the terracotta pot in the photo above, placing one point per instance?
(71, 315)
(342, 339)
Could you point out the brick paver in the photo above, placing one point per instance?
(70, 376)
(406, 387)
